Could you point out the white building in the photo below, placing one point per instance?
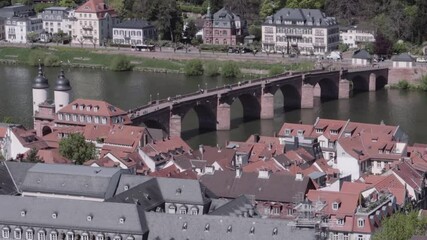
(354, 36)
(133, 32)
(361, 57)
(301, 31)
(403, 60)
(17, 28)
(93, 23)
(56, 19)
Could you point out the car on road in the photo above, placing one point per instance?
(335, 55)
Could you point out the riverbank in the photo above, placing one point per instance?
(101, 59)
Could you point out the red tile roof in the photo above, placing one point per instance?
(96, 6)
(104, 108)
(3, 132)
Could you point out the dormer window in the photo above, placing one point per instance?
(334, 132)
(194, 211)
(287, 131)
(82, 107)
(183, 210)
(88, 108)
(340, 221)
(85, 236)
(319, 130)
(70, 236)
(335, 206)
(74, 106)
(29, 234)
(53, 235)
(41, 235)
(300, 132)
(100, 237)
(5, 232)
(172, 209)
(360, 222)
(60, 116)
(95, 109)
(17, 233)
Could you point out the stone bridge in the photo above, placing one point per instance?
(213, 106)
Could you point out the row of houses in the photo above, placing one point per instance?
(302, 31)
(94, 22)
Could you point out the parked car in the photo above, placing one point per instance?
(335, 55)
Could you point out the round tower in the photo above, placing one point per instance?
(62, 91)
(40, 90)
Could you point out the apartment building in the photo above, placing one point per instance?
(223, 28)
(17, 28)
(93, 23)
(56, 19)
(355, 37)
(300, 31)
(134, 32)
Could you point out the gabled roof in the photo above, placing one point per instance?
(95, 6)
(307, 16)
(278, 187)
(403, 57)
(71, 180)
(135, 24)
(236, 207)
(362, 54)
(105, 109)
(7, 185)
(72, 214)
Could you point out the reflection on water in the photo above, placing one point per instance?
(131, 89)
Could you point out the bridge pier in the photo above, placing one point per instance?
(267, 106)
(175, 125)
(223, 115)
(307, 96)
(372, 82)
(344, 89)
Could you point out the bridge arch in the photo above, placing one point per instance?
(291, 97)
(205, 115)
(251, 106)
(326, 88)
(152, 123)
(360, 83)
(380, 82)
(46, 130)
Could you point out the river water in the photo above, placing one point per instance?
(131, 89)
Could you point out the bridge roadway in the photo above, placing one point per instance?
(257, 97)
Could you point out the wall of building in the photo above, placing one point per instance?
(347, 164)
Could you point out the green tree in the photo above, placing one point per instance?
(305, 3)
(67, 3)
(120, 63)
(32, 37)
(401, 226)
(230, 70)
(75, 148)
(256, 31)
(39, 7)
(190, 30)
(7, 119)
(32, 156)
(268, 7)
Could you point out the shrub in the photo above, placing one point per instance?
(276, 70)
(194, 67)
(423, 84)
(212, 69)
(52, 61)
(36, 57)
(403, 84)
(120, 63)
(230, 70)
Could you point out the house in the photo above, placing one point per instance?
(17, 10)
(56, 20)
(18, 28)
(361, 57)
(300, 31)
(134, 32)
(274, 194)
(93, 23)
(403, 60)
(356, 37)
(223, 28)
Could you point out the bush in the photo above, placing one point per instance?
(403, 84)
(215, 48)
(120, 63)
(230, 70)
(276, 70)
(52, 61)
(35, 58)
(212, 69)
(423, 84)
(194, 67)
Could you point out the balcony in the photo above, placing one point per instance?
(87, 27)
(87, 36)
(319, 44)
(298, 35)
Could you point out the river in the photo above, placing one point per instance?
(131, 89)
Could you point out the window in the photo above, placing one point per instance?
(5, 232)
(29, 234)
(82, 107)
(117, 238)
(70, 236)
(360, 237)
(335, 206)
(345, 237)
(89, 119)
(74, 118)
(290, 211)
(100, 237)
(183, 210)
(60, 116)
(287, 131)
(360, 222)
(67, 117)
(104, 120)
(74, 107)
(275, 211)
(340, 221)
(194, 211)
(319, 130)
(335, 236)
(82, 118)
(54, 236)
(41, 235)
(17, 233)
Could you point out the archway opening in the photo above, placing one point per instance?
(151, 123)
(251, 106)
(197, 120)
(46, 130)
(360, 84)
(291, 97)
(380, 82)
(326, 89)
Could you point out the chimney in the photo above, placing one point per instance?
(299, 177)
(238, 172)
(201, 150)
